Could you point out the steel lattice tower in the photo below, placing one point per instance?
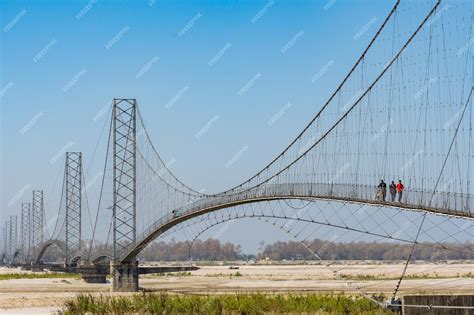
(73, 203)
(37, 217)
(124, 174)
(5, 238)
(12, 236)
(25, 229)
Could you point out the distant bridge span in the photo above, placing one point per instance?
(43, 247)
(96, 257)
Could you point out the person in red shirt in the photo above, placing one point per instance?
(400, 189)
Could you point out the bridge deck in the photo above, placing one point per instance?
(440, 203)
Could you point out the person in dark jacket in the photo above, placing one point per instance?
(393, 190)
(383, 189)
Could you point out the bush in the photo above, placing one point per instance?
(9, 276)
(257, 303)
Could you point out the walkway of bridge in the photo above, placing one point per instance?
(438, 203)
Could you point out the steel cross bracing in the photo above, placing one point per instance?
(25, 229)
(37, 219)
(73, 203)
(5, 238)
(2, 242)
(12, 237)
(124, 174)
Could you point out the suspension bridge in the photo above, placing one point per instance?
(402, 111)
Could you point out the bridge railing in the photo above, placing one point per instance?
(442, 202)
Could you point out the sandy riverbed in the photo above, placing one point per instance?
(46, 295)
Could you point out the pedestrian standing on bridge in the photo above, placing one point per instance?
(393, 190)
(383, 190)
(400, 189)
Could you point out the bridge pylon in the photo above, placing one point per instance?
(12, 237)
(25, 230)
(124, 121)
(5, 242)
(37, 219)
(73, 204)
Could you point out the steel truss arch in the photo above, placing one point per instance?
(43, 247)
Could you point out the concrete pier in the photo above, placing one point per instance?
(124, 276)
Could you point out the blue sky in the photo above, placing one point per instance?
(63, 61)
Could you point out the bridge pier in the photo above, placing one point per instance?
(124, 276)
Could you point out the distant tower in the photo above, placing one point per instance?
(124, 174)
(5, 238)
(25, 229)
(12, 237)
(2, 242)
(37, 219)
(73, 203)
